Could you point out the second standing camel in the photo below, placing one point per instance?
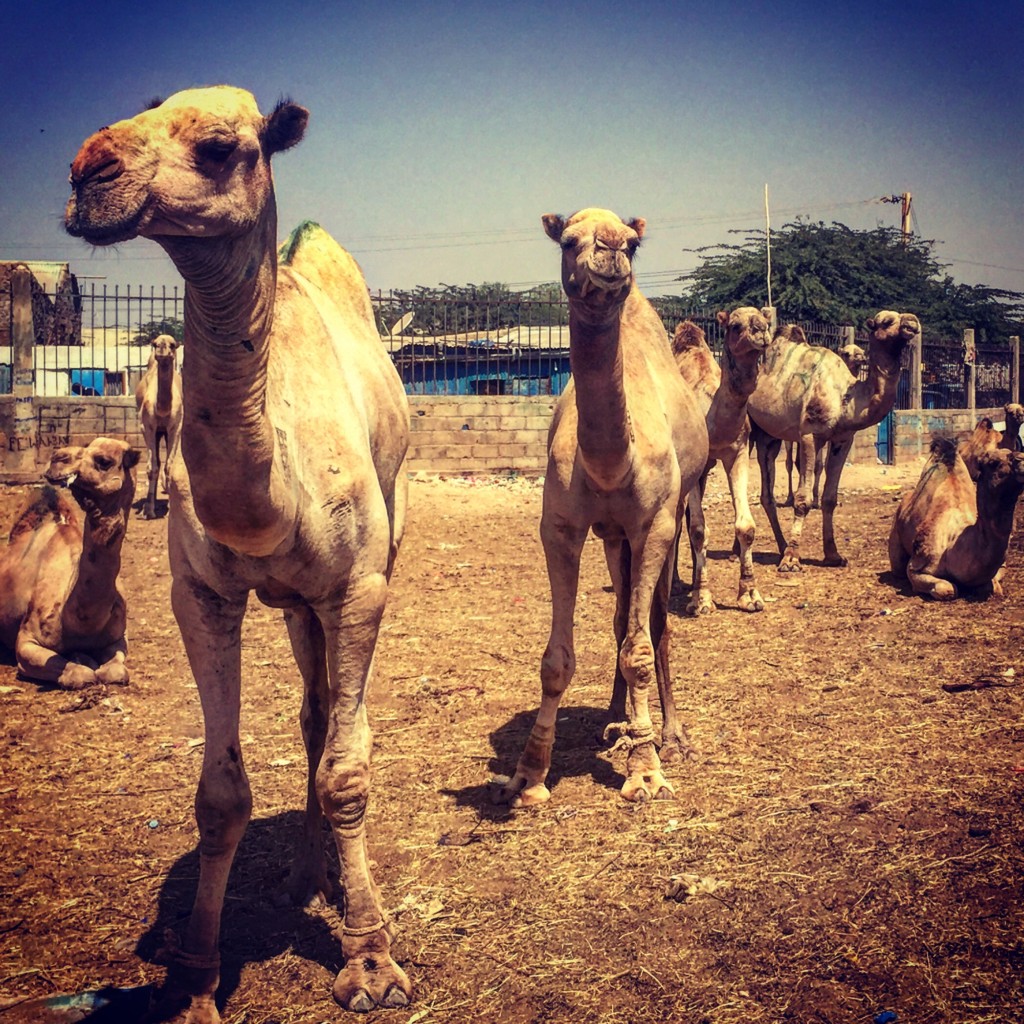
(724, 399)
(806, 393)
(627, 443)
(158, 401)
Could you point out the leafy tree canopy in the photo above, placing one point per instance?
(168, 325)
(834, 273)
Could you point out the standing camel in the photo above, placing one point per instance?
(158, 401)
(724, 398)
(62, 611)
(626, 445)
(807, 394)
(856, 359)
(291, 484)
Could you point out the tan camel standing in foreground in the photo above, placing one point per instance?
(949, 533)
(62, 611)
(626, 444)
(747, 334)
(856, 359)
(158, 401)
(806, 393)
(291, 484)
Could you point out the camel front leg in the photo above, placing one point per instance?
(700, 602)
(924, 582)
(737, 468)
(563, 544)
(767, 453)
(149, 509)
(675, 744)
(210, 626)
(46, 666)
(837, 453)
(790, 463)
(308, 879)
(638, 660)
(618, 558)
(819, 466)
(805, 449)
(112, 669)
(370, 977)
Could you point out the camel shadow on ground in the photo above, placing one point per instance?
(257, 925)
(577, 750)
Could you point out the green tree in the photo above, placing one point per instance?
(840, 275)
(168, 325)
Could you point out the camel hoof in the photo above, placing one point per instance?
(646, 786)
(395, 998)
(516, 793)
(836, 561)
(790, 565)
(360, 1002)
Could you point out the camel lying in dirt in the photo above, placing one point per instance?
(61, 609)
(949, 533)
(985, 437)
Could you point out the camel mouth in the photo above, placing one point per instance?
(601, 286)
(97, 231)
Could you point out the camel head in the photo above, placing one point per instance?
(747, 330)
(100, 474)
(688, 335)
(855, 358)
(597, 259)
(196, 165)
(893, 331)
(163, 349)
(793, 333)
(1001, 473)
(1014, 414)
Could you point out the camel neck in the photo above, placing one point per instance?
(98, 566)
(729, 404)
(604, 430)
(991, 533)
(164, 386)
(869, 401)
(227, 439)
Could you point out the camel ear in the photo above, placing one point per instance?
(285, 127)
(553, 226)
(639, 225)
(722, 317)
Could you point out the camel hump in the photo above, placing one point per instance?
(310, 251)
(944, 450)
(45, 505)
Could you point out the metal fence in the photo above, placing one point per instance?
(514, 344)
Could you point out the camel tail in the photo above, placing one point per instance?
(45, 505)
(944, 450)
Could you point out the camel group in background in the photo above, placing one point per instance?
(158, 401)
(285, 438)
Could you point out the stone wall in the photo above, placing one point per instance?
(449, 435)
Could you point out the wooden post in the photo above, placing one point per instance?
(21, 454)
(970, 359)
(1014, 368)
(916, 383)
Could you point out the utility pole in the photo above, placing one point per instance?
(904, 200)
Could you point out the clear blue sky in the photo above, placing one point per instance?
(439, 133)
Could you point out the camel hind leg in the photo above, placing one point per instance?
(700, 602)
(837, 452)
(737, 469)
(152, 439)
(767, 452)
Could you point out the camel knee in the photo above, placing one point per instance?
(223, 808)
(343, 788)
(745, 534)
(637, 662)
(556, 669)
(828, 505)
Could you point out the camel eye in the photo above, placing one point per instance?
(103, 463)
(216, 150)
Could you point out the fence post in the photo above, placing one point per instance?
(916, 383)
(1014, 368)
(21, 455)
(970, 361)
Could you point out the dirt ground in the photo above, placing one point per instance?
(846, 844)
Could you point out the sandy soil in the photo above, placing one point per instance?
(846, 842)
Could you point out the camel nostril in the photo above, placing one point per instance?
(103, 171)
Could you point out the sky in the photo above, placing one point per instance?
(440, 133)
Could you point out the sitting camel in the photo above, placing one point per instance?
(291, 484)
(856, 359)
(985, 437)
(61, 607)
(724, 400)
(627, 444)
(807, 393)
(158, 400)
(949, 533)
